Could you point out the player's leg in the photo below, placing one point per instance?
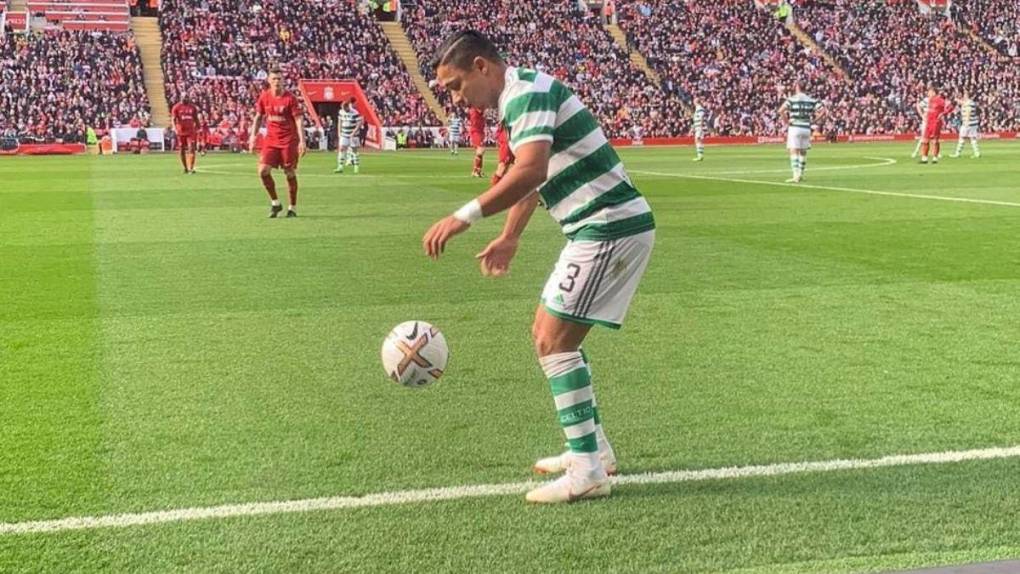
(937, 151)
(974, 144)
(925, 147)
(558, 342)
(341, 156)
(920, 140)
(479, 157)
(699, 148)
(191, 155)
(183, 151)
(959, 143)
(266, 174)
(803, 162)
(353, 157)
(290, 163)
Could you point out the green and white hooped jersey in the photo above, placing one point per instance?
(587, 190)
(969, 114)
(455, 125)
(348, 122)
(699, 118)
(802, 108)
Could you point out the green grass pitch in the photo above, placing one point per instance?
(164, 345)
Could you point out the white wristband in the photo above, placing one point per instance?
(470, 213)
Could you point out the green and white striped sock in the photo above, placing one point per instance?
(803, 164)
(794, 164)
(570, 382)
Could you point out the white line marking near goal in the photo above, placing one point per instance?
(832, 188)
(485, 490)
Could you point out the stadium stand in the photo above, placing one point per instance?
(111, 15)
(220, 53)
(54, 84)
(559, 38)
(893, 50)
(996, 21)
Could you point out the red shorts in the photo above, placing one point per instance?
(282, 157)
(933, 130)
(477, 140)
(186, 141)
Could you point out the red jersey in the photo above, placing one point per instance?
(938, 107)
(503, 141)
(281, 113)
(185, 118)
(476, 121)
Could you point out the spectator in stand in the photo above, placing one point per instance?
(222, 51)
(54, 84)
(559, 38)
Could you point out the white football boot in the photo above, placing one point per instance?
(561, 462)
(576, 484)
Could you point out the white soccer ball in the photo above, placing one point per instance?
(414, 354)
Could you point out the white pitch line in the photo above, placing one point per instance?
(833, 188)
(883, 161)
(485, 490)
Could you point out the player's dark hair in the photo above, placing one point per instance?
(352, 101)
(276, 70)
(461, 49)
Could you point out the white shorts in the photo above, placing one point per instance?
(699, 134)
(594, 281)
(798, 138)
(348, 141)
(970, 132)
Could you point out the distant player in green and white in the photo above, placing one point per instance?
(922, 110)
(562, 152)
(700, 120)
(454, 128)
(348, 128)
(800, 110)
(970, 125)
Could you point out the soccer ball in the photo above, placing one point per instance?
(414, 354)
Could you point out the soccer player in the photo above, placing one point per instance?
(800, 109)
(454, 133)
(699, 120)
(348, 127)
(476, 129)
(284, 142)
(922, 111)
(969, 125)
(185, 118)
(938, 108)
(561, 151)
(202, 137)
(506, 157)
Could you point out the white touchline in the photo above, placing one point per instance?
(460, 492)
(833, 188)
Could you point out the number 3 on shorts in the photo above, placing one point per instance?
(567, 285)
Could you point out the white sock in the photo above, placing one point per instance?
(276, 203)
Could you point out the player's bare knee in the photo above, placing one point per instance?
(291, 174)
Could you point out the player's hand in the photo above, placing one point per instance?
(301, 149)
(436, 237)
(494, 260)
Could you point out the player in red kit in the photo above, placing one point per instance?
(938, 108)
(506, 157)
(185, 118)
(476, 128)
(284, 142)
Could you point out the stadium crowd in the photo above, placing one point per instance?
(220, 54)
(996, 21)
(893, 51)
(739, 60)
(559, 38)
(55, 84)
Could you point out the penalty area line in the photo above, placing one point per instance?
(485, 490)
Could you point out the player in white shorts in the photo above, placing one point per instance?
(561, 151)
(800, 110)
(699, 120)
(970, 125)
(922, 110)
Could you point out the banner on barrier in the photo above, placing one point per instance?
(338, 91)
